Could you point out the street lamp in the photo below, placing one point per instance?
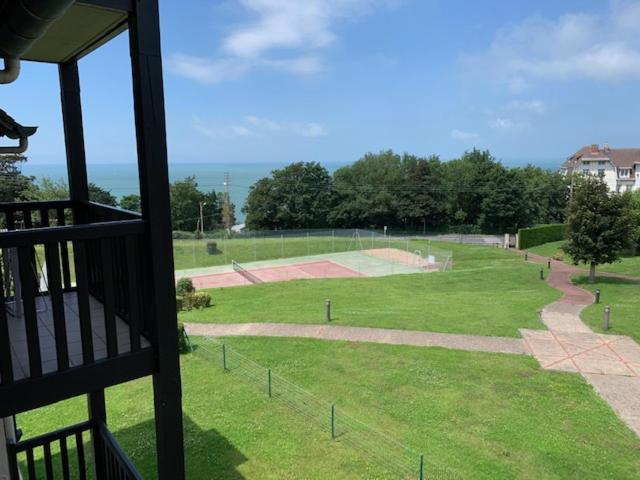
(202, 204)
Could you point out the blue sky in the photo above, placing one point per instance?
(328, 80)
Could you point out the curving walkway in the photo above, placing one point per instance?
(610, 363)
(476, 343)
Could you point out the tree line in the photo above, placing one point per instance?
(471, 194)
(186, 197)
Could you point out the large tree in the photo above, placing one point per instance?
(600, 224)
(296, 196)
(130, 202)
(185, 206)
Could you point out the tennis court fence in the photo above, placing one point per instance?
(380, 451)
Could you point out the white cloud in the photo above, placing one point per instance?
(598, 47)
(284, 35)
(464, 136)
(506, 125)
(530, 106)
(252, 125)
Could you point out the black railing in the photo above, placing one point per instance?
(61, 455)
(101, 260)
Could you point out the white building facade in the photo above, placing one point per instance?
(619, 167)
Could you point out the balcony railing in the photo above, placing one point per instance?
(73, 293)
(37, 458)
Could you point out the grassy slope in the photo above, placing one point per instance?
(624, 298)
(489, 292)
(487, 416)
(628, 265)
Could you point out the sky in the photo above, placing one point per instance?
(278, 81)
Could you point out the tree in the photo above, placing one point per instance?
(185, 206)
(600, 224)
(13, 185)
(130, 202)
(100, 195)
(49, 189)
(296, 196)
(634, 201)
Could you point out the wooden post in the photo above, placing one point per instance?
(98, 414)
(73, 131)
(146, 65)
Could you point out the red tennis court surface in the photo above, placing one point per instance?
(322, 269)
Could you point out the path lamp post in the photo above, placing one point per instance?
(597, 295)
(607, 316)
(541, 273)
(328, 308)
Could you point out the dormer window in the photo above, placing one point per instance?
(602, 163)
(624, 172)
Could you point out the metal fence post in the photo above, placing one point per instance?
(333, 421)
(607, 315)
(269, 380)
(421, 476)
(328, 307)
(224, 356)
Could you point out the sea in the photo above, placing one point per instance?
(122, 179)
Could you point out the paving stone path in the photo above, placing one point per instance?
(610, 363)
(363, 334)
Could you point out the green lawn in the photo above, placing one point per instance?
(623, 296)
(485, 416)
(489, 292)
(628, 266)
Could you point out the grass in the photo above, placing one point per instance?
(486, 416)
(629, 265)
(489, 292)
(623, 296)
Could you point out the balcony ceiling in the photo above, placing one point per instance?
(82, 29)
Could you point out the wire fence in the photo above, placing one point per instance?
(379, 249)
(381, 451)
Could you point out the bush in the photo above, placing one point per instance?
(184, 287)
(184, 345)
(212, 248)
(538, 235)
(558, 256)
(193, 300)
(181, 235)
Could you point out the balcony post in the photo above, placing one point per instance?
(148, 96)
(97, 415)
(73, 130)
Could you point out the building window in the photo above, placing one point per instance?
(586, 163)
(585, 171)
(628, 187)
(624, 172)
(602, 162)
(601, 172)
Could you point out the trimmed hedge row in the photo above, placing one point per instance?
(531, 237)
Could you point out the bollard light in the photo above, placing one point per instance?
(541, 273)
(526, 256)
(597, 295)
(328, 306)
(549, 264)
(607, 317)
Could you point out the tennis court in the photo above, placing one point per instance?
(364, 263)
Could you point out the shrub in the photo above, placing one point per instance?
(181, 235)
(212, 248)
(530, 237)
(184, 287)
(193, 300)
(558, 256)
(184, 345)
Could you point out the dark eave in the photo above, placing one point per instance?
(83, 28)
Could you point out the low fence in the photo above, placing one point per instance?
(388, 455)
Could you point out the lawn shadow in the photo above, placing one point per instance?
(208, 454)
(583, 280)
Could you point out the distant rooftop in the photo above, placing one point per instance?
(620, 157)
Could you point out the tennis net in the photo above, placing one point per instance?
(245, 273)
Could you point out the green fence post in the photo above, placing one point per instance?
(421, 467)
(224, 356)
(269, 376)
(333, 421)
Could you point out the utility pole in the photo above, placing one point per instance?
(202, 204)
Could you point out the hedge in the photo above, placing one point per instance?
(530, 237)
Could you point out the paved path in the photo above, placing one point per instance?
(610, 363)
(362, 334)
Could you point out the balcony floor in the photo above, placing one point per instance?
(18, 336)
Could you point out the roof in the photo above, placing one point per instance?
(620, 157)
(82, 28)
(12, 129)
